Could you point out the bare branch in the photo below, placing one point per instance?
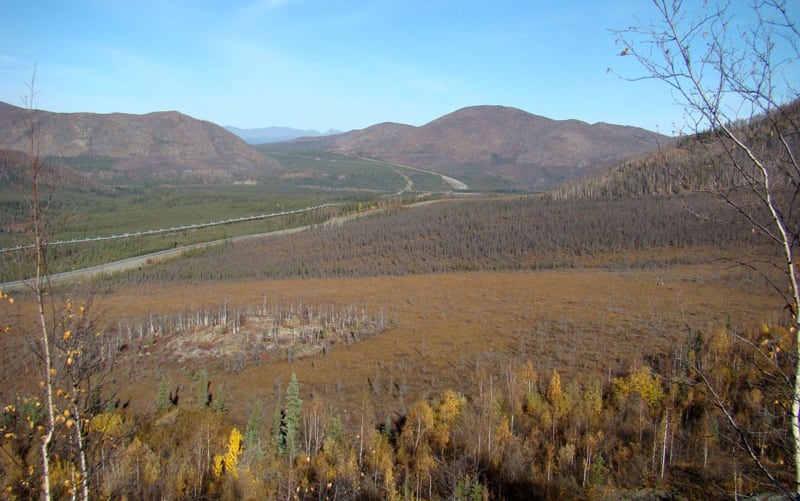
(723, 407)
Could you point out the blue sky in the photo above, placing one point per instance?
(328, 64)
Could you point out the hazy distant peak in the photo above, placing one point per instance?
(275, 134)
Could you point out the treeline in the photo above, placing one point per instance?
(652, 429)
(520, 233)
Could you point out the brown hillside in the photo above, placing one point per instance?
(697, 162)
(161, 143)
(15, 172)
(496, 141)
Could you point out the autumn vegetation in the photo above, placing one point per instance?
(523, 421)
(500, 347)
(632, 335)
(509, 432)
(497, 234)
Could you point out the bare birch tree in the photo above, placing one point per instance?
(734, 70)
(39, 285)
(70, 357)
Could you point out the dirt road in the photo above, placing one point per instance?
(147, 259)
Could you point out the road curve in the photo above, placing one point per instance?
(452, 182)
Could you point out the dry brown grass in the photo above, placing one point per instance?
(454, 330)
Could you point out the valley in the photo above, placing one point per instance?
(445, 328)
(462, 251)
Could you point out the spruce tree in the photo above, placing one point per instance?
(252, 435)
(277, 430)
(162, 401)
(219, 399)
(292, 418)
(202, 389)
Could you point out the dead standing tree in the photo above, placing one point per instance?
(734, 71)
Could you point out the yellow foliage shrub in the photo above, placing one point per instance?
(229, 462)
(642, 382)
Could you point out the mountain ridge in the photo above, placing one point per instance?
(695, 162)
(506, 146)
(153, 144)
(485, 141)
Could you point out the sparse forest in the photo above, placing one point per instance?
(502, 234)
(512, 427)
(519, 434)
(692, 163)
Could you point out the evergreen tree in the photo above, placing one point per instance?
(292, 417)
(277, 430)
(336, 428)
(202, 389)
(219, 399)
(162, 401)
(253, 445)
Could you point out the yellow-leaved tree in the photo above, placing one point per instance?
(228, 463)
(414, 448)
(733, 70)
(447, 414)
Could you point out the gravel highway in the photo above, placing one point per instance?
(147, 259)
(138, 261)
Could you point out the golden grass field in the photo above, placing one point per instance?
(451, 330)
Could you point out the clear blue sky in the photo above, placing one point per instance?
(328, 64)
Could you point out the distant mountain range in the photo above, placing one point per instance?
(532, 151)
(275, 134)
(480, 142)
(161, 144)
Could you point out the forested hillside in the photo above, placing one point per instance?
(697, 162)
(515, 347)
(491, 306)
